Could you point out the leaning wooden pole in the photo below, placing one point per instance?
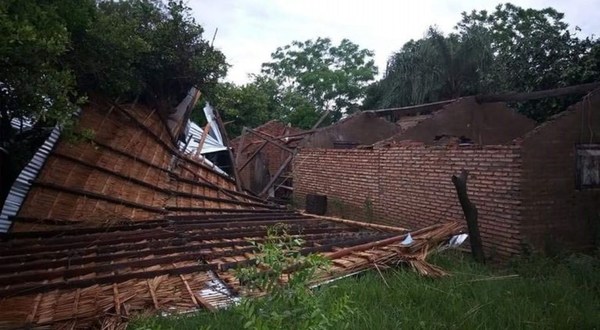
(470, 211)
(236, 175)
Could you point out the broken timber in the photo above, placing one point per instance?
(520, 97)
(470, 211)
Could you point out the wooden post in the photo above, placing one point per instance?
(520, 97)
(470, 211)
(270, 140)
(236, 175)
(264, 144)
(238, 151)
(202, 139)
(276, 176)
(318, 123)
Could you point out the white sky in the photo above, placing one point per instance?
(250, 30)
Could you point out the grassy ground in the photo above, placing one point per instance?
(534, 293)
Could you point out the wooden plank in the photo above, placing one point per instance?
(240, 146)
(359, 224)
(204, 221)
(90, 194)
(156, 245)
(520, 97)
(116, 299)
(202, 139)
(31, 288)
(318, 123)
(176, 177)
(277, 175)
(205, 303)
(170, 192)
(270, 140)
(412, 109)
(261, 147)
(170, 148)
(31, 246)
(152, 294)
(236, 174)
(254, 232)
(135, 251)
(189, 290)
(36, 305)
(366, 246)
(470, 211)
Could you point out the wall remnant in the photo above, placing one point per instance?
(524, 180)
(363, 128)
(484, 124)
(410, 186)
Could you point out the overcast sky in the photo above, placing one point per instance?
(250, 30)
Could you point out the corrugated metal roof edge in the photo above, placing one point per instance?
(22, 184)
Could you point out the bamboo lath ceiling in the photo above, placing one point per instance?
(83, 277)
(125, 224)
(130, 170)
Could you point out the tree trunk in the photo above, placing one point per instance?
(470, 211)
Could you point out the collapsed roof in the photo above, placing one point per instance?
(121, 221)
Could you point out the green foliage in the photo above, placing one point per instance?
(315, 76)
(545, 294)
(34, 82)
(509, 49)
(146, 48)
(284, 275)
(247, 105)
(534, 50)
(431, 69)
(52, 53)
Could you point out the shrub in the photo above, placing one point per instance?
(283, 274)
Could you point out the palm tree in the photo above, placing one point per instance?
(434, 68)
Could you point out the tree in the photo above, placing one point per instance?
(247, 105)
(54, 52)
(534, 50)
(510, 49)
(34, 82)
(434, 68)
(149, 49)
(328, 77)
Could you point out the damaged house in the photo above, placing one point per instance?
(263, 158)
(533, 185)
(129, 220)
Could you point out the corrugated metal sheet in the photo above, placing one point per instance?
(23, 124)
(21, 186)
(195, 132)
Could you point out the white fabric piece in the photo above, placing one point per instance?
(454, 242)
(407, 241)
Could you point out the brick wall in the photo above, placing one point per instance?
(410, 185)
(482, 123)
(556, 213)
(259, 171)
(360, 128)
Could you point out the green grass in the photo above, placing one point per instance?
(547, 294)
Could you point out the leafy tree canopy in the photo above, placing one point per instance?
(33, 80)
(249, 105)
(318, 73)
(509, 49)
(302, 80)
(54, 52)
